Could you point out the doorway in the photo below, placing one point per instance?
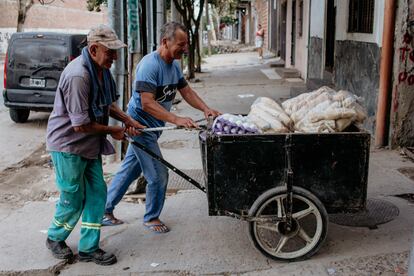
(283, 31)
(293, 33)
(330, 36)
(273, 33)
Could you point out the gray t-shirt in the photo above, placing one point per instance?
(71, 109)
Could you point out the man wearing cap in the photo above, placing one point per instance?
(158, 78)
(76, 139)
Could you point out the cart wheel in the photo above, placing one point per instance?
(308, 230)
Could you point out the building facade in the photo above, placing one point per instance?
(402, 103)
(339, 43)
(345, 47)
(59, 16)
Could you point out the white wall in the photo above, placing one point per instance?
(317, 20)
(247, 33)
(5, 34)
(288, 33)
(301, 60)
(301, 45)
(342, 7)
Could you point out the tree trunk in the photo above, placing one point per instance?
(186, 9)
(23, 6)
(190, 73)
(198, 51)
(208, 30)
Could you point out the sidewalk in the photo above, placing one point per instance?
(199, 244)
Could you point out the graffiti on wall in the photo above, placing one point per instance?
(407, 57)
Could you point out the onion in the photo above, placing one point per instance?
(234, 130)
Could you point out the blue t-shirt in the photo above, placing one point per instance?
(153, 74)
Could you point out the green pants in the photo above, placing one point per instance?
(82, 192)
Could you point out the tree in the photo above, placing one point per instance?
(192, 21)
(224, 8)
(225, 11)
(23, 7)
(95, 4)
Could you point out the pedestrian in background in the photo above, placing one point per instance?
(76, 138)
(158, 77)
(259, 40)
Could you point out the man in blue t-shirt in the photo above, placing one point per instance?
(158, 77)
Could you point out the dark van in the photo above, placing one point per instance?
(32, 68)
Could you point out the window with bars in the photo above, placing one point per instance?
(361, 16)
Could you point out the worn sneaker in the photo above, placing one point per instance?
(59, 249)
(99, 257)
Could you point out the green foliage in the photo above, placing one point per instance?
(228, 19)
(214, 51)
(95, 5)
(224, 8)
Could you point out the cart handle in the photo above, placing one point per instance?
(165, 163)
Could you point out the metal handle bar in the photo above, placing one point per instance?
(150, 129)
(165, 163)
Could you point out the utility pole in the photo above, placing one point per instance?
(134, 41)
(160, 19)
(150, 25)
(116, 12)
(208, 30)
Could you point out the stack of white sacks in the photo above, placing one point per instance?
(325, 110)
(320, 111)
(269, 116)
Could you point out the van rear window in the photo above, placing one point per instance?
(29, 53)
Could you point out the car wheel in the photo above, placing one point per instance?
(19, 115)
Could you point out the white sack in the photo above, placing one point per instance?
(278, 114)
(342, 124)
(321, 126)
(308, 106)
(334, 114)
(259, 115)
(293, 105)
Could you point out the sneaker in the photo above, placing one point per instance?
(59, 249)
(99, 257)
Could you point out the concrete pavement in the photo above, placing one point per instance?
(199, 244)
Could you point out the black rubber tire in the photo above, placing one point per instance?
(297, 192)
(19, 115)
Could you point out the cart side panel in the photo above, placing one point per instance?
(332, 166)
(243, 170)
(207, 161)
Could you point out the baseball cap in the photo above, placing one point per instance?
(106, 36)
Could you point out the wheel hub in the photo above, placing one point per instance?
(285, 230)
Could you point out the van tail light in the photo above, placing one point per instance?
(5, 72)
(71, 58)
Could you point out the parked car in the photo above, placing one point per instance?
(32, 68)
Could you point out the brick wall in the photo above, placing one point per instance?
(68, 16)
(261, 7)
